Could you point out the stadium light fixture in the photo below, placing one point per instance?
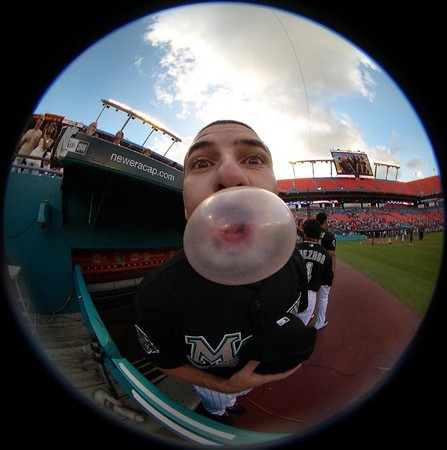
(293, 167)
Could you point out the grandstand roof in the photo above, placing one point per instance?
(360, 189)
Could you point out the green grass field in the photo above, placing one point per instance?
(409, 272)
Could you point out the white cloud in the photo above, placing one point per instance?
(417, 166)
(273, 70)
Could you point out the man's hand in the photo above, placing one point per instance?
(247, 378)
(244, 379)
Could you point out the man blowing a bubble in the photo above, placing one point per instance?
(221, 313)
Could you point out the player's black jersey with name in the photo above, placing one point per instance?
(183, 318)
(318, 264)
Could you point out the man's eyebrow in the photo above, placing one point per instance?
(197, 146)
(253, 142)
(245, 141)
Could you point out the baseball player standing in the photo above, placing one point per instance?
(192, 328)
(318, 265)
(329, 242)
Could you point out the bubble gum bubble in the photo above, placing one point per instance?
(239, 235)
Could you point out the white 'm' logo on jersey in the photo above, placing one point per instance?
(203, 355)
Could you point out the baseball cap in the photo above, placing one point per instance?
(279, 345)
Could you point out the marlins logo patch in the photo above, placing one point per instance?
(148, 346)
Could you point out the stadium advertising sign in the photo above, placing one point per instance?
(98, 152)
(351, 163)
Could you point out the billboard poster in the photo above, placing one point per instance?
(351, 163)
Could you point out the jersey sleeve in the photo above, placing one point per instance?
(329, 241)
(155, 326)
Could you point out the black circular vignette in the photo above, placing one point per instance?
(405, 42)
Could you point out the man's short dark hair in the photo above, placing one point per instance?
(312, 228)
(227, 121)
(234, 122)
(321, 217)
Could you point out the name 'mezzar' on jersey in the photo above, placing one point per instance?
(318, 264)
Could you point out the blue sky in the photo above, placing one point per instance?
(302, 87)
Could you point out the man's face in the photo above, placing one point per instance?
(224, 156)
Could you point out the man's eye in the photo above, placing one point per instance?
(254, 159)
(200, 164)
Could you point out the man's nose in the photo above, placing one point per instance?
(230, 174)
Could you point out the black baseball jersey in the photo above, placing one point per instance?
(328, 240)
(318, 264)
(182, 317)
